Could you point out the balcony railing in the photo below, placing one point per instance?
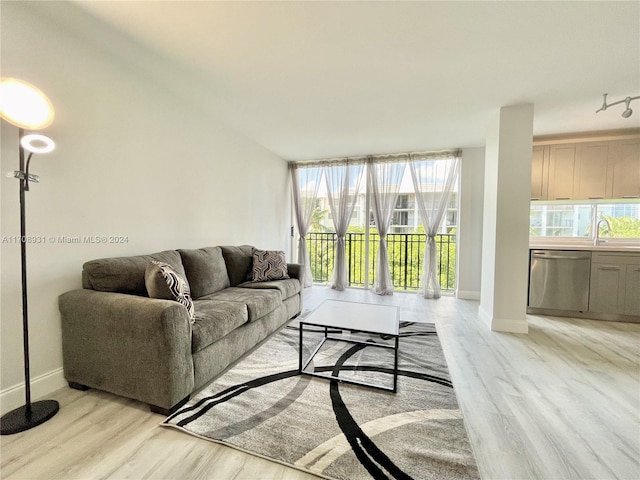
(406, 257)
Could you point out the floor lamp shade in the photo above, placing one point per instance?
(24, 106)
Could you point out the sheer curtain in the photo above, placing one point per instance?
(433, 179)
(305, 182)
(385, 177)
(343, 187)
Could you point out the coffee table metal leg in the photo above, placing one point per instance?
(300, 350)
(395, 365)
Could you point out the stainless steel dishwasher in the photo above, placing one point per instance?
(559, 280)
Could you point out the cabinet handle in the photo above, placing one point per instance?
(535, 199)
(595, 198)
(631, 196)
(562, 198)
(609, 268)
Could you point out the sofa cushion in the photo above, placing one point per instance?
(125, 274)
(206, 270)
(163, 282)
(269, 265)
(214, 320)
(239, 261)
(287, 288)
(259, 302)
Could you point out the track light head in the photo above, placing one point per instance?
(627, 113)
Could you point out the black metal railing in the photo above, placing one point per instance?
(406, 258)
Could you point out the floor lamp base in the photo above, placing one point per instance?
(19, 420)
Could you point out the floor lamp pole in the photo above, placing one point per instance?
(25, 303)
(30, 415)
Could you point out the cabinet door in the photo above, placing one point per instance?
(632, 291)
(562, 163)
(626, 168)
(591, 171)
(539, 172)
(607, 288)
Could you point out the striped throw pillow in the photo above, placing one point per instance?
(175, 287)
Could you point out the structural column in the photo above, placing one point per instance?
(505, 238)
(469, 241)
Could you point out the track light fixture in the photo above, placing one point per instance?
(627, 113)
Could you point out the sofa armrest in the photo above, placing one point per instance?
(133, 346)
(295, 270)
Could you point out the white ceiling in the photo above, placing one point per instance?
(322, 79)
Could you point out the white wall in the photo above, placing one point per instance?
(132, 159)
(470, 224)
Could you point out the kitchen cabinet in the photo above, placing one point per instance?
(632, 291)
(607, 288)
(583, 170)
(562, 165)
(539, 172)
(625, 168)
(615, 283)
(592, 180)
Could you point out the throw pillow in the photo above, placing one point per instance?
(269, 265)
(162, 281)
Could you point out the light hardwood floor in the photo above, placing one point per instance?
(562, 402)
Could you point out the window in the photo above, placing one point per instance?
(578, 221)
(400, 218)
(452, 220)
(560, 220)
(406, 240)
(403, 202)
(623, 218)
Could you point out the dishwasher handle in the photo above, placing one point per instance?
(559, 257)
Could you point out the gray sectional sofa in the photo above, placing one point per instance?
(118, 339)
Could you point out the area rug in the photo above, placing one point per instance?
(333, 429)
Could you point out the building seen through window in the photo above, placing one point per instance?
(579, 220)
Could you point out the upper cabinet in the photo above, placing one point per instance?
(592, 177)
(539, 173)
(586, 170)
(562, 166)
(626, 168)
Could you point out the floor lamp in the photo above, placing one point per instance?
(26, 107)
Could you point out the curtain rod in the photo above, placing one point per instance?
(380, 157)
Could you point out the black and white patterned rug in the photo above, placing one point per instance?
(337, 430)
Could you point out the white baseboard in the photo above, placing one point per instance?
(468, 294)
(509, 325)
(503, 324)
(42, 385)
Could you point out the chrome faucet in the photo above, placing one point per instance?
(596, 239)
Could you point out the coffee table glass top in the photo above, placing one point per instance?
(364, 317)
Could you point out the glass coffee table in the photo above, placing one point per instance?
(357, 318)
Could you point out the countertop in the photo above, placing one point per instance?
(589, 248)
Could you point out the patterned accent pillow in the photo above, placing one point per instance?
(269, 265)
(162, 281)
